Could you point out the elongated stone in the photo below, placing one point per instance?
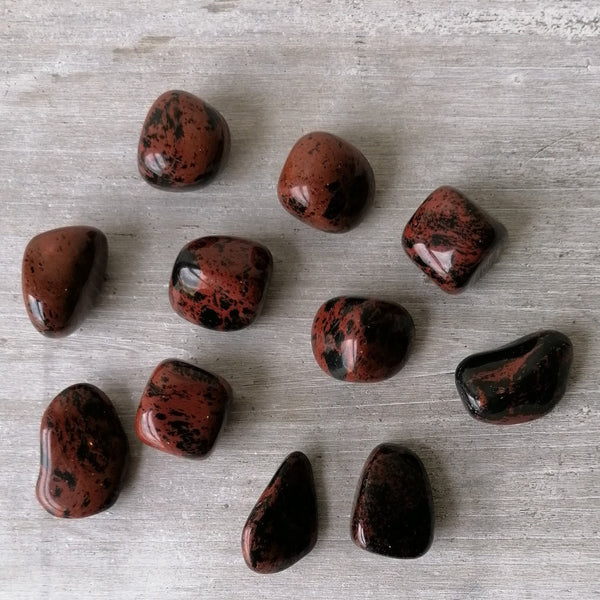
(518, 382)
(282, 527)
(62, 272)
(182, 409)
(83, 453)
(393, 508)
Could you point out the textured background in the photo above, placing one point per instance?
(498, 98)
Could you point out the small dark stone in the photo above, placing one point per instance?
(282, 527)
(393, 509)
(518, 382)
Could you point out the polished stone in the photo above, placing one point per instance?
(282, 527)
(326, 182)
(184, 142)
(452, 240)
(182, 409)
(361, 339)
(220, 282)
(62, 272)
(518, 382)
(83, 453)
(393, 508)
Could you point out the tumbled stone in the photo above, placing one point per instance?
(184, 142)
(282, 527)
(452, 240)
(518, 382)
(326, 182)
(393, 508)
(220, 282)
(62, 272)
(83, 453)
(182, 409)
(361, 339)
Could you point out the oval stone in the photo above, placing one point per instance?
(220, 282)
(518, 382)
(326, 182)
(361, 339)
(83, 453)
(184, 142)
(62, 272)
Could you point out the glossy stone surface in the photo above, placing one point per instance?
(361, 339)
(83, 453)
(393, 508)
(326, 182)
(184, 142)
(220, 282)
(182, 409)
(62, 272)
(452, 240)
(282, 527)
(518, 382)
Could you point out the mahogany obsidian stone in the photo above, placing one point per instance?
(62, 273)
(326, 182)
(361, 339)
(452, 240)
(219, 282)
(184, 142)
(282, 527)
(83, 453)
(518, 382)
(393, 508)
(182, 409)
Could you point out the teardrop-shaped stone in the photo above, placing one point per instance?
(518, 382)
(184, 142)
(83, 453)
(282, 527)
(62, 272)
(393, 508)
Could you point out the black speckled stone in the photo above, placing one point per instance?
(282, 527)
(518, 382)
(393, 509)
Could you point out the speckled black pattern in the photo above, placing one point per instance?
(393, 508)
(282, 527)
(361, 339)
(83, 452)
(518, 382)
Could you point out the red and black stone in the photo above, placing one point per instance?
(184, 142)
(282, 527)
(393, 508)
(182, 409)
(326, 182)
(220, 282)
(361, 339)
(518, 382)
(62, 272)
(452, 240)
(83, 453)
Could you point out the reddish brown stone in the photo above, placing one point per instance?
(326, 182)
(361, 339)
(182, 409)
(452, 240)
(83, 453)
(219, 282)
(282, 527)
(184, 142)
(62, 272)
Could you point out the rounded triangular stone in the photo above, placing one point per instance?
(393, 508)
(62, 272)
(518, 382)
(282, 527)
(83, 453)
